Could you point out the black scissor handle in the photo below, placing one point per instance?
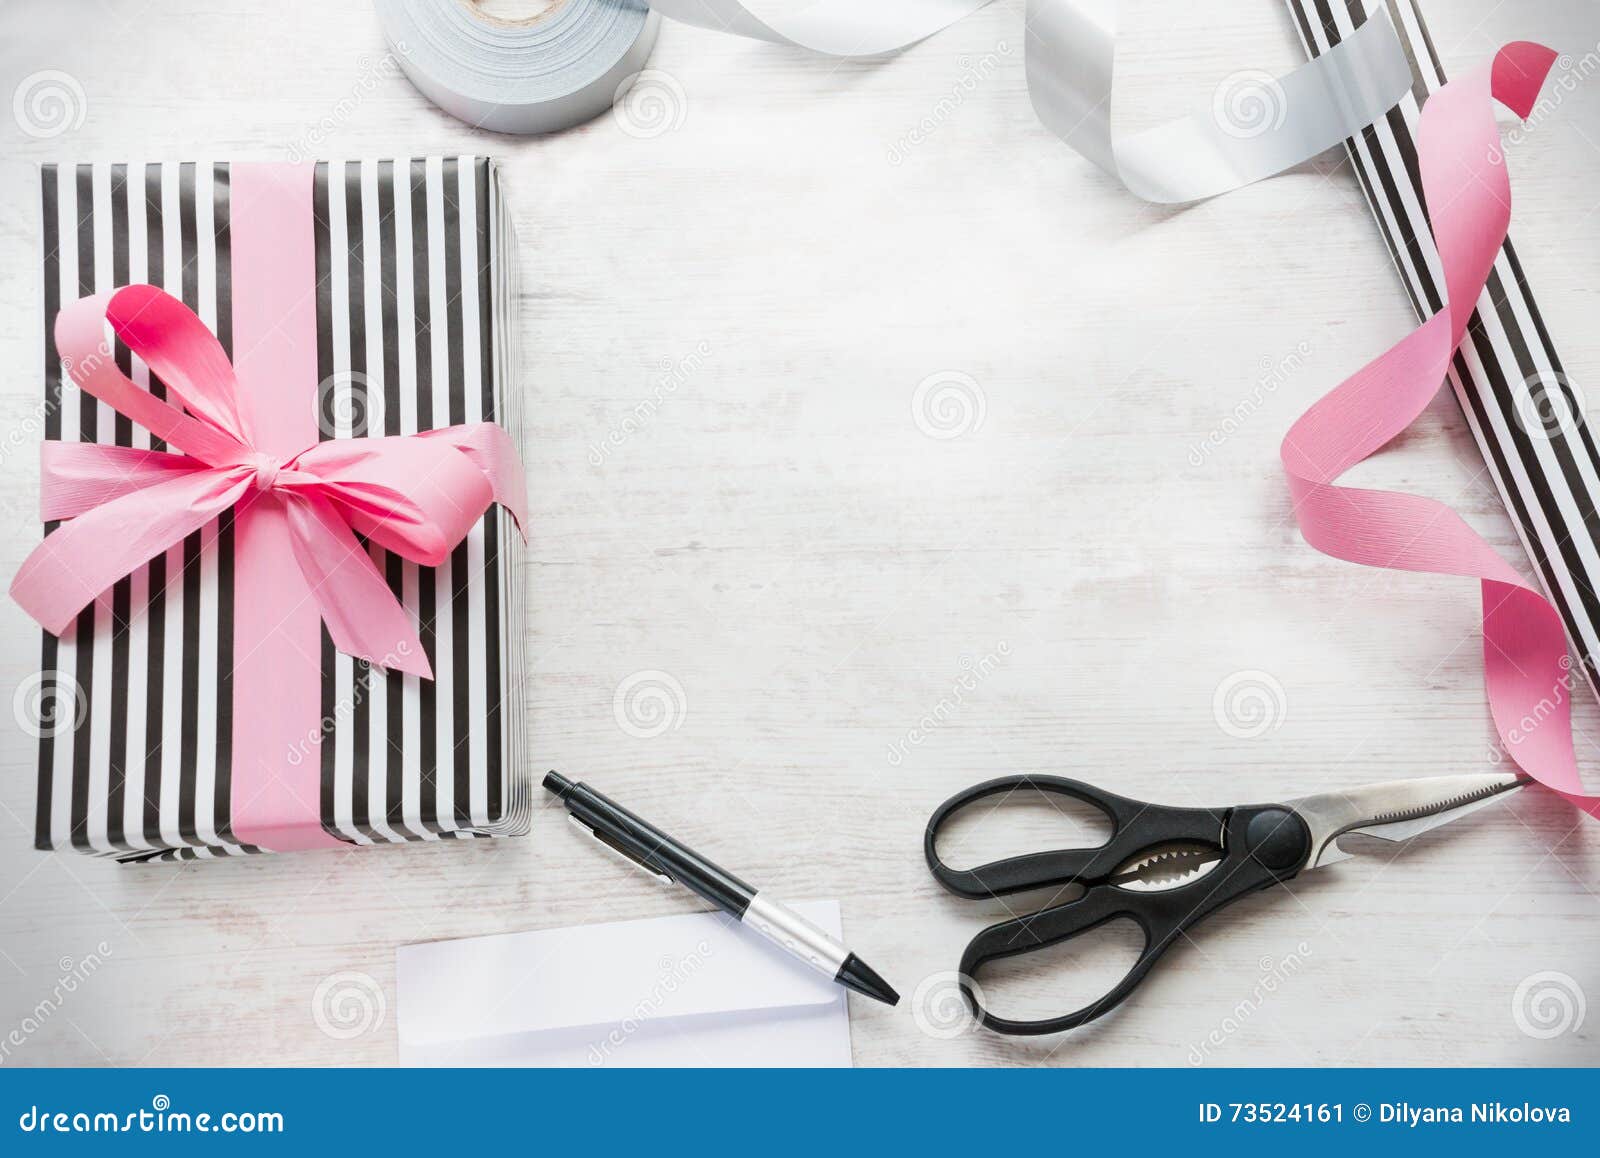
(1099, 906)
(1135, 827)
(1262, 846)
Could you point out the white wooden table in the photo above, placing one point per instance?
(785, 540)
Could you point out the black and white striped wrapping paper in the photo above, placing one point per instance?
(1526, 418)
(415, 293)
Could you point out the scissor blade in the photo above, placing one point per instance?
(1396, 809)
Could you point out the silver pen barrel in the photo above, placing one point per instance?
(798, 937)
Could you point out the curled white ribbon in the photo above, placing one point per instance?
(1071, 66)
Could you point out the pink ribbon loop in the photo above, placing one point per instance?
(1527, 670)
(415, 495)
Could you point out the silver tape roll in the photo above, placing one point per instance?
(539, 75)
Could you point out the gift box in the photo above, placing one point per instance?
(254, 685)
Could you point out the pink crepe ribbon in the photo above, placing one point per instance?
(1527, 670)
(416, 495)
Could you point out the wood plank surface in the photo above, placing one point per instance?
(1064, 585)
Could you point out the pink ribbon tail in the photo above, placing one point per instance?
(91, 552)
(354, 600)
(1527, 669)
(491, 450)
(79, 476)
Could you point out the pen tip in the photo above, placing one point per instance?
(858, 975)
(557, 783)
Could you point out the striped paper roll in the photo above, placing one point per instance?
(1528, 421)
(414, 290)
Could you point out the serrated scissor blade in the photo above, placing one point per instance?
(1396, 809)
(1166, 867)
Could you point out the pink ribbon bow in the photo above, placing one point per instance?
(416, 495)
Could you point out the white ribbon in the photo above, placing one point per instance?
(1071, 64)
(556, 70)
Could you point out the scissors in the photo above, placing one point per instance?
(1166, 868)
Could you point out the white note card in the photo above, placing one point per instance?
(696, 990)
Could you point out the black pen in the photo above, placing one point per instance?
(661, 856)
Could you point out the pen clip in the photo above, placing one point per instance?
(618, 850)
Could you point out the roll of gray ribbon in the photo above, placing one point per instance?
(567, 65)
(539, 75)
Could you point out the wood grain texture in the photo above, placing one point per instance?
(780, 536)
